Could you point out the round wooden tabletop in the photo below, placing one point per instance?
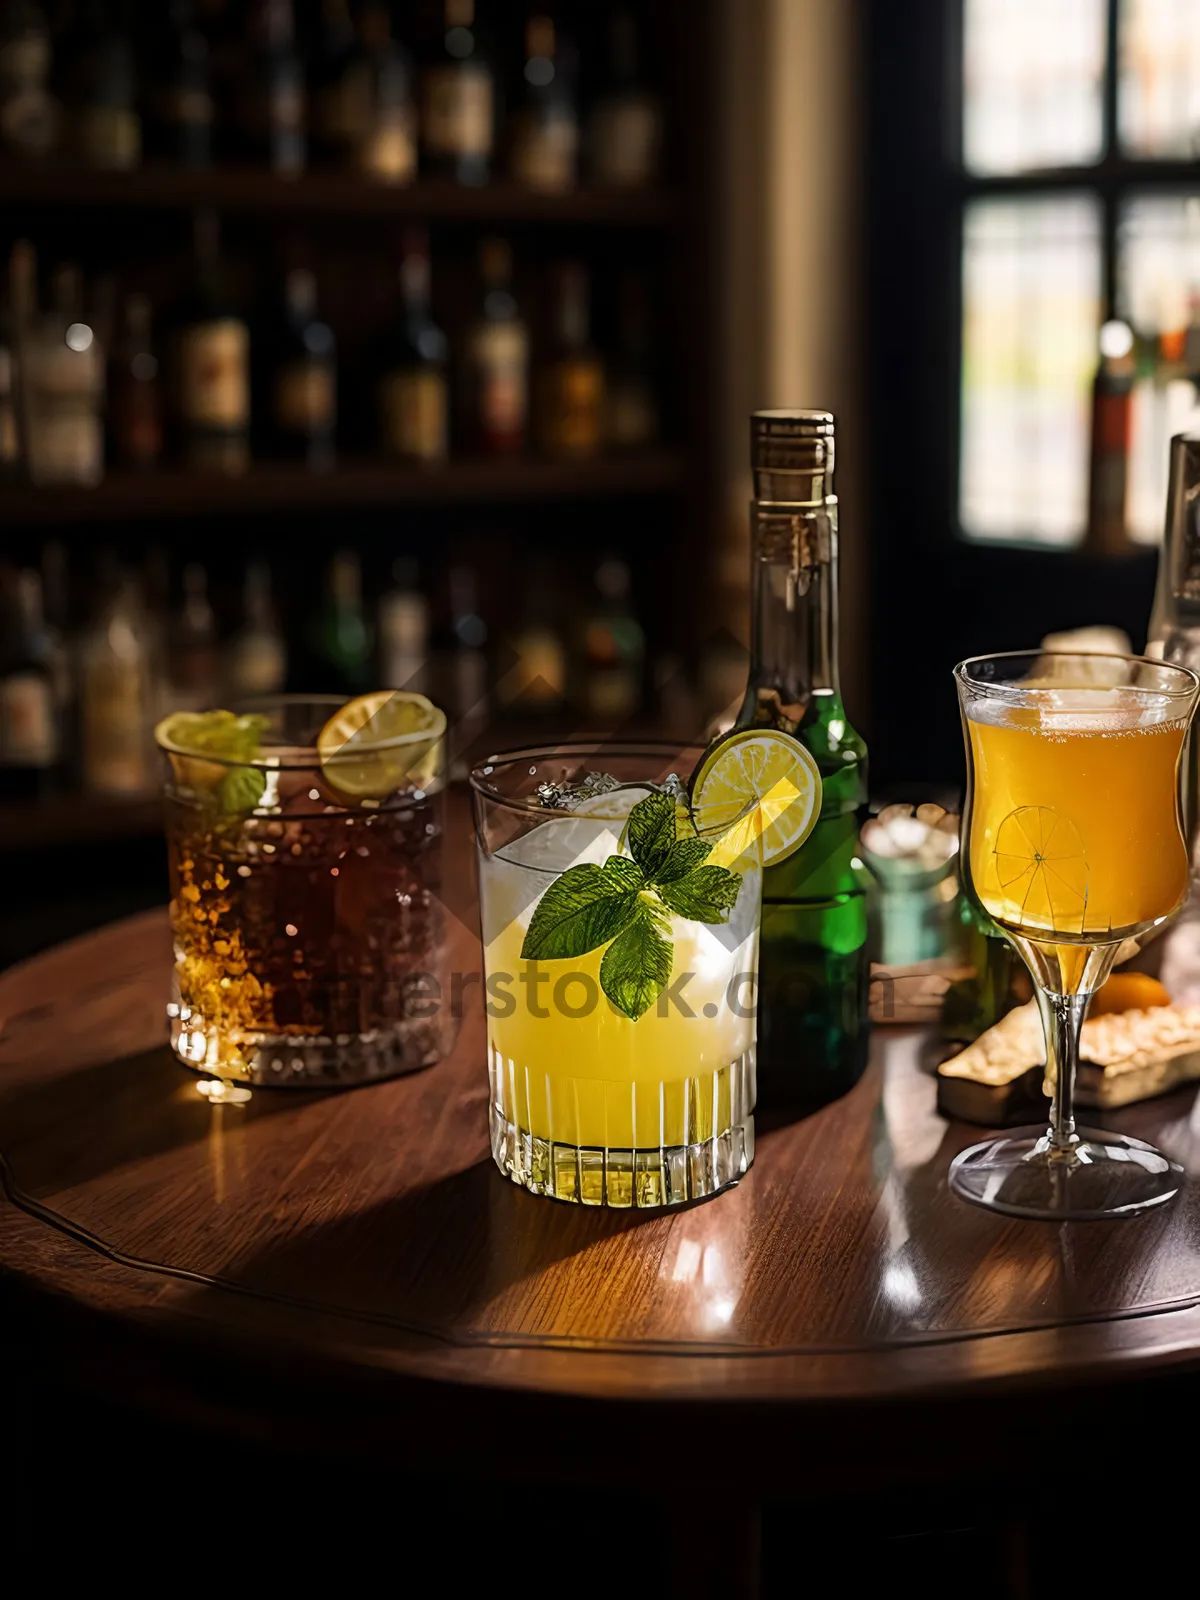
(352, 1254)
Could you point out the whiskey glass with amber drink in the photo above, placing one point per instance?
(1072, 843)
(304, 839)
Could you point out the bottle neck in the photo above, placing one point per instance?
(794, 638)
(1179, 564)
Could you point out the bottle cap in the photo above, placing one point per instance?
(791, 441)
(792, 455)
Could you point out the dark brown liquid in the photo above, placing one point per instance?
(308, 944)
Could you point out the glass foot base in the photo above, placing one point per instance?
(1103, 1175)
(670, 1175)
(284, 1061)
(220, 1092)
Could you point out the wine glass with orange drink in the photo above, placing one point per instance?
(1073, 842)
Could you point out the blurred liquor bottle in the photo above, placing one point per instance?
(1174, 630)
(192, 657)
(116, 708)
(543, 126)
(22, 317)
(62, 386)
(457, 98)
(180, 106)
(300, 382)
(1108, 478)
(413, 389)
(210, 388)
(404, 631)
(531, 669)
(11, 464)
(569, 383)
(99, 89)
(135, 421)
(625, 127)
(612, 650)
(1163, 403)
(389, 150)
(463, 671)
(1191, 342)
(29, 114)
(154, 618)
(30, 744)
(342, 636)
(272, 110)
(56, 612)
(340, 88)
(495, 375)
(223, 24)
(256, 655)
(631, 403)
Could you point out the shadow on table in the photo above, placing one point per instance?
(438, 1260)
(62, 1132)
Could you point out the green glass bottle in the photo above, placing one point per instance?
(813, 961)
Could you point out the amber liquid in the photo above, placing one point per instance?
(1075, 829)
(306, 942)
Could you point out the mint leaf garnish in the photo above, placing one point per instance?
(651, 832)
(241, 788)
(637, 965)
(684, 855)
(708, 894)
(625, 871)
(581, 910)
(626, 905)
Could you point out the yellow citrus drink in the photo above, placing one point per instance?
(1073, 842)
(1075, 830)
(603, 1090)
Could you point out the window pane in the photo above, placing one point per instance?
(1159, 295)
(1031, 309)
(1159, 85)
(1032, 83)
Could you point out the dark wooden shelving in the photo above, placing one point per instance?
(273, 487)
(329, 193)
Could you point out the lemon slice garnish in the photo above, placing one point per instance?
(1042, 870)
(382, 742)
(758, 788)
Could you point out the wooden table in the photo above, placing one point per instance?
(334, 1271)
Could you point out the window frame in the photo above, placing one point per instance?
(938, 595)
(1113, 179)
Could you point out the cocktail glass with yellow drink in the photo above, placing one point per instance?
(1072, 843)
(620, 913)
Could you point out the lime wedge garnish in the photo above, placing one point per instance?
(213, 733)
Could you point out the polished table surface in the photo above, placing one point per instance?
(356, 1254)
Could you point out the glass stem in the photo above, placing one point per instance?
(1062, 1019)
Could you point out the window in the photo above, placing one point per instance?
(1080, 204)
(1031, 303)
